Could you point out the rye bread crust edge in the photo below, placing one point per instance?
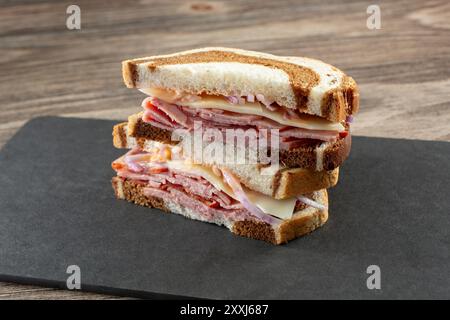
(285, 183)
(300, 224)
(335, 105)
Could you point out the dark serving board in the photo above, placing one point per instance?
(391, 208)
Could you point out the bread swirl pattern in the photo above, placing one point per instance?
(309, 85)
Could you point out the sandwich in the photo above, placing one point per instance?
(299, 108)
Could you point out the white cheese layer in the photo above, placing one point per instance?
(253, 108)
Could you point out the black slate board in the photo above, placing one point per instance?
(391, 208)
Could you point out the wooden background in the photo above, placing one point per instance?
(403, 69)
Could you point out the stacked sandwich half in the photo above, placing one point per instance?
(288, 118)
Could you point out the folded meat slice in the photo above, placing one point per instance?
(300, 133)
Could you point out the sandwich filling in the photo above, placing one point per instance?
(170, 110)
(214, 193)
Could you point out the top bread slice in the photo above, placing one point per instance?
(309, 85)
(312, 154)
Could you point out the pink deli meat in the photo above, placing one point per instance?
(190, 190)
(169, 116)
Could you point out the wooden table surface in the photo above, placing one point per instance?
(403, 69)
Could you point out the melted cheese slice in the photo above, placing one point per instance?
(253, 108)
(282, 209)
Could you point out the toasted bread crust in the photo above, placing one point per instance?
(147, 131)
(302, 76)
(301, 223)
(305, 156)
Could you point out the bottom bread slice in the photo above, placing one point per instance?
(302, 222)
